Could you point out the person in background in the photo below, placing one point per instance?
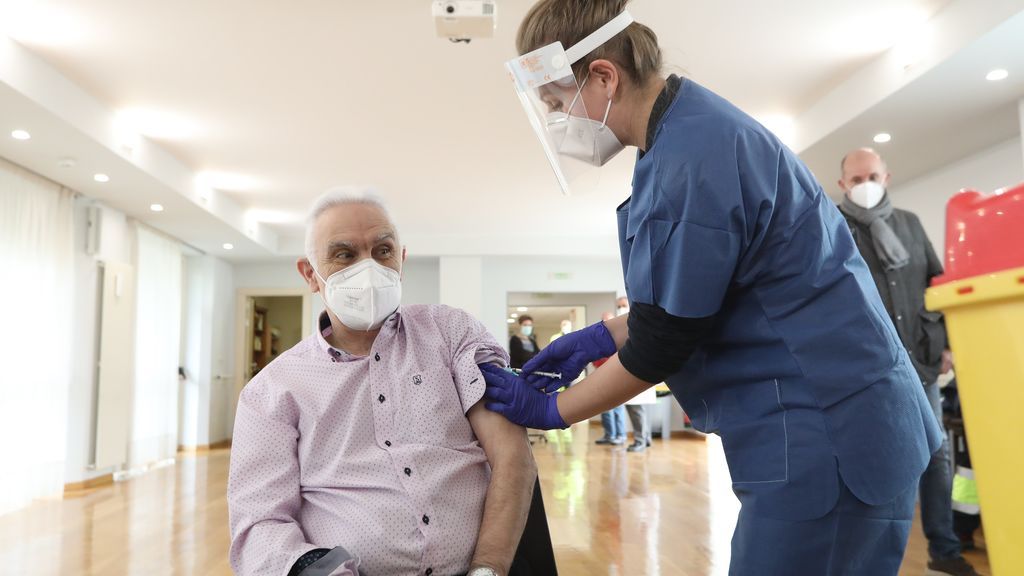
(565, 329)
(637, 407)
(903, 263)
(522, 346)
(613, 421)
(966, 506)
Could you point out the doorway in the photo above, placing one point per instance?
(549, 310)
(276, 326)
(269, 322)
(547, 320)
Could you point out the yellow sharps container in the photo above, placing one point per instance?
(982, 297)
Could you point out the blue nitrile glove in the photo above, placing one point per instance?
(569, 355)
(513, 398)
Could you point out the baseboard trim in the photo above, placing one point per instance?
(90, 484)
(204, 448)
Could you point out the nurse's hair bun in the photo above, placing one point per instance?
(635, 50)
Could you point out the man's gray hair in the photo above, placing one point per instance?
(339, 196)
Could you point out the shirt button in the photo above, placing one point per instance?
(429, 571)
(899, 317)
(408, 471)
(376, 357)
(892, 283)
(387, 443)
(380, 398)
(426, 519)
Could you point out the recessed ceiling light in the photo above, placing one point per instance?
(229, 246)
(510, 321)
(156, 207)
(883, 138)
(522, 309)
(101, 178)
(997, 75)
(20, 135)
(514, 315)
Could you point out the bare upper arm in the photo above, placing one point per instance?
(501, 440)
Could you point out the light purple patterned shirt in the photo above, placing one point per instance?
(371, 453)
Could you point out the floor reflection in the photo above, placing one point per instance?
(615, 512)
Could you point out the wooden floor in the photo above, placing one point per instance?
(668, 511)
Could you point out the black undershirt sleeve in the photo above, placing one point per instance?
(659, 343)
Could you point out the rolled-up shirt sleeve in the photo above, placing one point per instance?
(470, 344)
(264, 498)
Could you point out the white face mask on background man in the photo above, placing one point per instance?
(867, 195)
(363, 295)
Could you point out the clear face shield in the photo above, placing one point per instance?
(573, 143)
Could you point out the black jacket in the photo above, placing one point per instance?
(902, 291)
(517, 353)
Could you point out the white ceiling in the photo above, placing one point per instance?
(294, 97)
(947, 114)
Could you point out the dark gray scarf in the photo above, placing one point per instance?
(888, 246)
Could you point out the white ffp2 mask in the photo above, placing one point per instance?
(584, 139)
(363, 295)
(867, 195)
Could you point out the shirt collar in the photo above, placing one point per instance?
(661, 105)
(325, 330)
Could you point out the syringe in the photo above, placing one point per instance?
(555, 375)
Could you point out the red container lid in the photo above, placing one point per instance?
(984, 233)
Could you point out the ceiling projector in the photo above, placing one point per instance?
(464, 20)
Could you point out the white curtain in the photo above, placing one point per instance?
(36, 260)
(154, 435)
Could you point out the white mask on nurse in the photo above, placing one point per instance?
(363, 295)
(584, 139)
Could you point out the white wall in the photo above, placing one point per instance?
(114, 246)
(421, 281)
(997, 167)
(193, 350)
(222, 355)
(208, 349)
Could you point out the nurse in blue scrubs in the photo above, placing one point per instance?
(747, 296)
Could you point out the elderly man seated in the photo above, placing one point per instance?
(366, 449)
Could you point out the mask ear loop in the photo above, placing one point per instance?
(577, 96)
(604, 121)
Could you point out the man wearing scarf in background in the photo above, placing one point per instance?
(902, 263)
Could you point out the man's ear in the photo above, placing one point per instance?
(842, 186)
(888, 178)
(306, 270)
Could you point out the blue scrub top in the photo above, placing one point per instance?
(804, 375)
